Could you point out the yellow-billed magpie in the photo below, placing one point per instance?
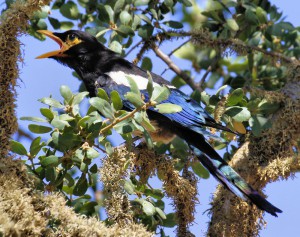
(100, 67)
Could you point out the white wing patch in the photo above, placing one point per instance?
(120, 78)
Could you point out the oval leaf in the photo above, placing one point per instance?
(103, 107)
(49, 161)
(148, 208)
(235, 97)
(39, 129)
(160, 93)
(18, 148)
(66, 93)
(51, 102)
(81, 186)
(116, 100)
(168, 108)
(239, 114)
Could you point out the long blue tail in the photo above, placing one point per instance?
(228, 177)
(221, 170)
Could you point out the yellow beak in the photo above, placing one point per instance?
(57, 53)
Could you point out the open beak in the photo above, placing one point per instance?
(57, 53)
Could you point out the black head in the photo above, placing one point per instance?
(72, 43)
(78, 50)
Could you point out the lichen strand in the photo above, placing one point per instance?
(12, 23)
(261, 160)
(183, 191)
(17, 212)
(27, 212)
(112, 174)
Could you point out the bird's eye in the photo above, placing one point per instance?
(72, 37)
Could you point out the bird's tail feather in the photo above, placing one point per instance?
(220, 169)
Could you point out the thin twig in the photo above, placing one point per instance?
(204, 76)
(209, 69)
(174, 50)
(129, 115)
(132, 48)
(174, 67)
(99, 148)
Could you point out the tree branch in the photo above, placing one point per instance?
(175, 68)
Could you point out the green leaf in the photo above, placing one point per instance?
(50, 174)
(108, 148)
(147, 64)
(150, 87)
(51, 102)
(239, 114)
(115, 46)
(49, 161)
(232, 25)
(47, 113)
(70, 10)
(136, 22)
(66, 25)
(70, 180)
(135, 99)
(83, 121)
(155, 193)
(220, 89)
(129, 187)
(54, 22)
(199, 170)
(65, 140)
(79, 97)
(235, 97)
(103, 106)
(138, 3)
(173, 24)
(160, 93)
(60, 124)
(145, 31)
(124, 127)
(170, 221)
(267, 108)
(102, 94)
(258, 123)
(119, 6)
(124, 31)
(34, 119)
(94, 169)
(116, 100)
(41, 25)
(91, 153)
(251, 17)
(148, 208)
(81, 186)
(36, 146)
(66, 117)
(103, 13)
(66, 93)
(168, 108)
(18, 148)
(178, 82)
(160, 213)
(133, 86)
(125, 17)
(261, 15)
(39, 129)
(187, 3)
(143, 119)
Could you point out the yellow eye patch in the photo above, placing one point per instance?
(73, 40)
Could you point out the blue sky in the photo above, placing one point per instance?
(41, 78)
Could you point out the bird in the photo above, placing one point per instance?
(100, 67)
